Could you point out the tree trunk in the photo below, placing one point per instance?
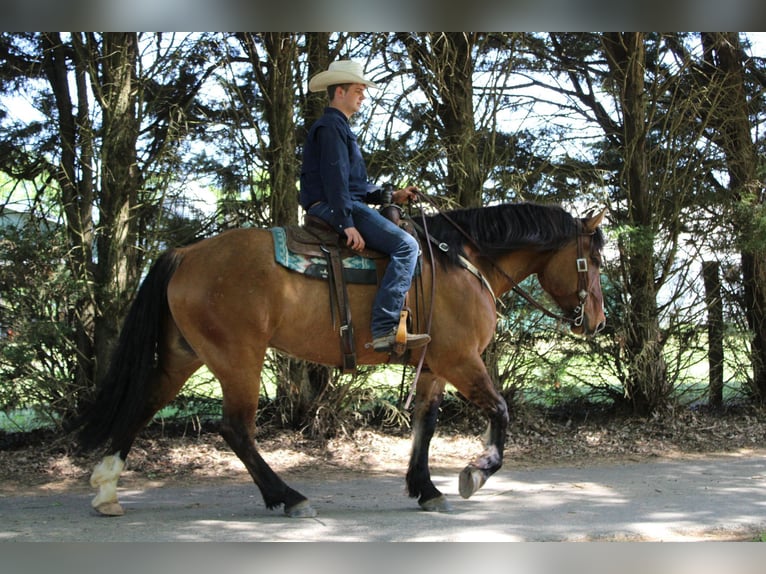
(275, 78)
(754, 278)
(75, 179)
(646, 385)
(455, 83)
(729, 115)
(117, 268)
(318, 58)
(443, 68)
(299, 383)
(109, 280)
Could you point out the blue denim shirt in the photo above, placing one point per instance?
(333, 168)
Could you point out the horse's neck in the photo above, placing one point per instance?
(505, 271)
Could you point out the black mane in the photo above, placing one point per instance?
(502, 228)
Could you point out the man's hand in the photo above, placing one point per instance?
(354, 239)
(406, 194)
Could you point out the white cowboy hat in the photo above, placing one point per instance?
(340, 72)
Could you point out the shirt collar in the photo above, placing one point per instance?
(336, 111)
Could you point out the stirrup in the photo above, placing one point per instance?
(389, 344)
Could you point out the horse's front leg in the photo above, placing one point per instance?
(473, 381)
(473, 476)
(428, 397)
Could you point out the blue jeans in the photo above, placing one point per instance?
(383, 235)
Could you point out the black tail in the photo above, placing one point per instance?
(122, 396)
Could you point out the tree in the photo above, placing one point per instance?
(655, 167)
(109, 69)
(442, 65)
(729, 110)
(298, 383)
(647, 383)
(111, 124)
(274, 73)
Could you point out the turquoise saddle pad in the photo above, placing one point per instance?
(356, 269)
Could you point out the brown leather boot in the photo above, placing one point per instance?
(385, 343)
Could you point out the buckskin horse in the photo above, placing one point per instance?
(223, 301)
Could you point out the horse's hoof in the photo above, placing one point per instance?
(471, 480)
(303, 509)
(438, 504)
(109, 509)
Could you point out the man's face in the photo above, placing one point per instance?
(350, 101)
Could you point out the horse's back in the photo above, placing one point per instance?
(230, 292)
(228, 273)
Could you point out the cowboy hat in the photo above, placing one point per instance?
(340, 72)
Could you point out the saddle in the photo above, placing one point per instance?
(316, 238)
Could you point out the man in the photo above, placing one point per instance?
(334, 188)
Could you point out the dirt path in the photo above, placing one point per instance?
(551, 489)
(705, 498)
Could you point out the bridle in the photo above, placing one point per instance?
(581, 263)
(582, 276)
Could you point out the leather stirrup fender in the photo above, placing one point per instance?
(338, 289)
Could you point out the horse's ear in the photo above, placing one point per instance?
(593, 221)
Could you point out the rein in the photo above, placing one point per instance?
(421, 362)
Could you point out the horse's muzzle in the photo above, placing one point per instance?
(600, 327)
(586, 330)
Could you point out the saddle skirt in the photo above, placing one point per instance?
(304, 249)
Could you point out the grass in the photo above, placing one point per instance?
(22, 420)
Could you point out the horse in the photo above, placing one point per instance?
(223, 301)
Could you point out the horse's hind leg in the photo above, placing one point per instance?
(428, 398)
(104, 478)
(240, 401)
(238, 432)
(169, 378)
